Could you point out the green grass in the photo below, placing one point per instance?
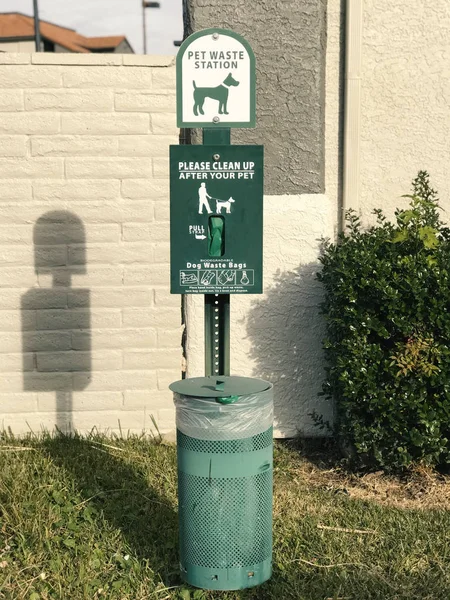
(96, 518)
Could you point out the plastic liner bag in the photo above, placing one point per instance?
(210, 419)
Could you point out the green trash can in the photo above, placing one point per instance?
(225, 474)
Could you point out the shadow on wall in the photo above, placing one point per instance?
(286, 332)
(56, 329)
(56, 332)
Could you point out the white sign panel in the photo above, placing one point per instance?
(215, 81)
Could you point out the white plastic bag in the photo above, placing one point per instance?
(209, 419)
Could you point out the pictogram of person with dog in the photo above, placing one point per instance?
(203, 198)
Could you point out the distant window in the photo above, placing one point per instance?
(49, 46)
(102, 50)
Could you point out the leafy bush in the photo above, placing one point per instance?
(387, 299)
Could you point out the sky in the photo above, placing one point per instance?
(112, 17)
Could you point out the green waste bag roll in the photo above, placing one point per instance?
(216, 236)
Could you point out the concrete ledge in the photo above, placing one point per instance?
(115, 60)
(14, 58)
(144, 60)
(63, 58)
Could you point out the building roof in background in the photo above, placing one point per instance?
(18, 25)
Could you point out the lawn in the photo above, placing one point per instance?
(96, 518)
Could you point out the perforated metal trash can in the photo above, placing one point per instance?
(225, 465)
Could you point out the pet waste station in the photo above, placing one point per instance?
(224, 422)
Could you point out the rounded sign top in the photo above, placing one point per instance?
(215, 80)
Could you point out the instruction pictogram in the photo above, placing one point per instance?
(208, 277)
(188, 277)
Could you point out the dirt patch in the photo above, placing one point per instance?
(419, 488)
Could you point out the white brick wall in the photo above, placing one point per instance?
(89, 335)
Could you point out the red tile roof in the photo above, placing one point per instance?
(17, 25)
(103, 42)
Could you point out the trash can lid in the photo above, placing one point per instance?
(217, 386)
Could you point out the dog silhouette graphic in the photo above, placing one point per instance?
(219, 93)
(226, 204)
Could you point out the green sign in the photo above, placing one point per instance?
(216, 219)
(215, 80)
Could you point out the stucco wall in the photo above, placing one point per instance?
(277, 336)
(89, 335)
(405, 115)
(404, 126)
(288, 38)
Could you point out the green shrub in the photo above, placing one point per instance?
(387, 300)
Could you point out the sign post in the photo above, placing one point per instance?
(217, 306)
(216, 231)
(224, 423)
(216, 189)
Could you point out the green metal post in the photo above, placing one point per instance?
(217, 306)
(219, 135)
(217, 334)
